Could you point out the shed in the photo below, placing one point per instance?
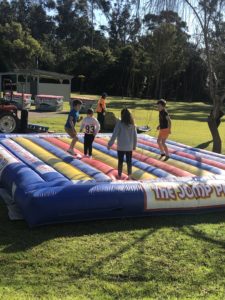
(36, 82)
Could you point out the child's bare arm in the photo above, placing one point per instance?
(82, 126)
(169, 122)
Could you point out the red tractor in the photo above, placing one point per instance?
(8, 117)
(9, 120)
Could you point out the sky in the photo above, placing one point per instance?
(188, 17)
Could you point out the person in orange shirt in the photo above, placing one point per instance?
(101, 109)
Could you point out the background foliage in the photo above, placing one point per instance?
(151, 55)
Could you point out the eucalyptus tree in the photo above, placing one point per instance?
(124, 23)
(104, 7)
(166, 42)
(18, 49)
(5, 10)
(208, 14)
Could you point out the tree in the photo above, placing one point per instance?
(208, 16)
(124, 26)
(104, 6)
(21, 9)
(132, 55)
(88, 62)
(40, 24)
(17, 48)
(167, 45)
(74, 27)
(5, 10)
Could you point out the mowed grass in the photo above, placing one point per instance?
(167, 257)
(189, 120)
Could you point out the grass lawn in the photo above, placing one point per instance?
(177, 257)
(189, 124)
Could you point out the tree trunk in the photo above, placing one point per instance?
(157, 86)
(148, 93)
(217, 144)
(92, 24)
(204, 17)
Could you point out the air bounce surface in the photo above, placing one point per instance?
(48, 185)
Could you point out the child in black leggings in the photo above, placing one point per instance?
(91, 127)
(126, 134)
(128, 155)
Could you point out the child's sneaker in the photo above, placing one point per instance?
(70, 151)
(166, 158)
(162, 155)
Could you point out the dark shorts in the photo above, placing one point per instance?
(71, 132)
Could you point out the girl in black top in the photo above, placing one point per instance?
(164, 128)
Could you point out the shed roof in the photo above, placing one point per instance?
(33, 72)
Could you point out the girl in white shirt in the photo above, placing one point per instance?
(91, 127)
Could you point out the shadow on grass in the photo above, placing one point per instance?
(189, 117)
(177, 111)
(132, 105)
(15, 236)
(199, 235)
(138, 276)
(45, 111)
(64, 112)
(204, 145)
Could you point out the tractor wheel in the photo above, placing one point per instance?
(8, 123)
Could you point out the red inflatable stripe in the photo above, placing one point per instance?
(187, 155)
(104, 168)
(153, 162)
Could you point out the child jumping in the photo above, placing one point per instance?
(73, 117)
(164, 128)
(126, 133)
(91, 127)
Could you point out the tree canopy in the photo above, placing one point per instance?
(130, 54)
(123, 47)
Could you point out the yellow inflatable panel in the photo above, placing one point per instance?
(179, 164)
(137, 174)
(66, 169)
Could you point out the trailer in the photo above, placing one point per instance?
(20, 100)
(87, 103)
(49, 103)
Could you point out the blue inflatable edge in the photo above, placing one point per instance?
(46, 202)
